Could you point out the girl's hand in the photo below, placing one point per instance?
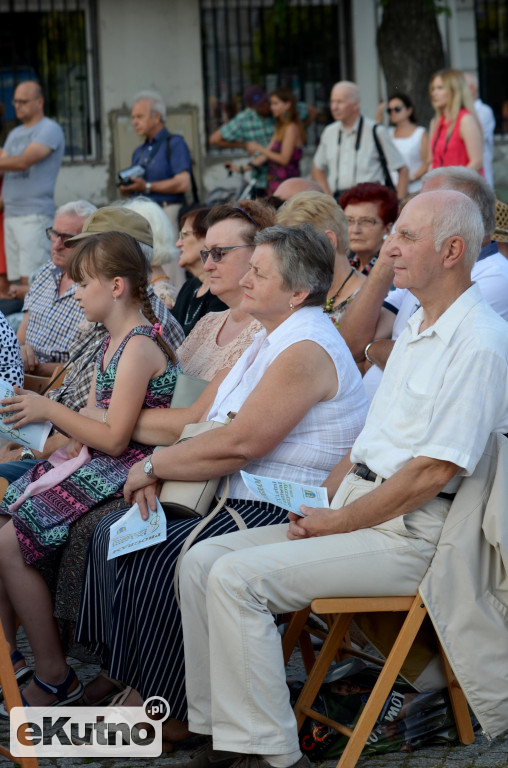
(24, 408)
(73, 448)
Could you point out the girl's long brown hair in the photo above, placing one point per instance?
(292, 116)
(116, 254)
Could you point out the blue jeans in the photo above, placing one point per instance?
(11, 470)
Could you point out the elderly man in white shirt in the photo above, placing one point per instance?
(350, 149)
(427, 427)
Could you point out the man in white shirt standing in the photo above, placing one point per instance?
(348, 154)
(488, 122)
(29, 162)
(426, 428)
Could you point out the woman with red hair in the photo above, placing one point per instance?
(371, 210)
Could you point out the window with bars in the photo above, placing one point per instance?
(53, 41)
(301, 44)
(492, 41)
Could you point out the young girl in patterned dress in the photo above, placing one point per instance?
(135, 369)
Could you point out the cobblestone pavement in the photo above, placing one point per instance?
(481, 754)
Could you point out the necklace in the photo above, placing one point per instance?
(329, 302)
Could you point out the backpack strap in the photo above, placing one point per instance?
(382, 159)
(194, 186)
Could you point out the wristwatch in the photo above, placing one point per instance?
(27, 453)
(148, 467)
(148, 187)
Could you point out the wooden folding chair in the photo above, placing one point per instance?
(342, 610)
(38, 383)
(12, 697)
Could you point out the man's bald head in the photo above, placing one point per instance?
(291, 187)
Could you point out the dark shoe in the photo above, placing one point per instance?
(22, 674)
(208, 757)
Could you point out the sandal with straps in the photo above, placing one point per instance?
(22, 674)
(61, 691)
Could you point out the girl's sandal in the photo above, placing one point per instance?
(61, 691)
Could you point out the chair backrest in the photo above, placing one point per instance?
(39, 383)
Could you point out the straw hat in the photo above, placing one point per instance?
(501, 230)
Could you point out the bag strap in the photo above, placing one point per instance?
(382, 158)
(191, 538)
(194, 186)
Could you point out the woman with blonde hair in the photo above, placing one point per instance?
(456, 135)
(326, 215)
(284, 151)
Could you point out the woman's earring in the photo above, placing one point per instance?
(291, 307)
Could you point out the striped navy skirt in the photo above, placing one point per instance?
(128, 614)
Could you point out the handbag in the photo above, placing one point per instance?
(189, 498)
(193, 499)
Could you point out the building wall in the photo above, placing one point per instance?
(151, 45)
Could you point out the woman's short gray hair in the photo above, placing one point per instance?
(156, 102)
(305, 259)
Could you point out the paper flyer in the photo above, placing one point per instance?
(131, 532)
(286, 494)
(32, 435)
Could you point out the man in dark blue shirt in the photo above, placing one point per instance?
(164, 156)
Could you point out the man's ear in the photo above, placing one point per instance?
(454, 250)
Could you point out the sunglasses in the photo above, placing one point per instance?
(217, 254)
(394, 109)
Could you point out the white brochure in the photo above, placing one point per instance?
(286, 494)
(131, 533)
(32, 435)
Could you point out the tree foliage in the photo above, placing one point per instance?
(410, 49)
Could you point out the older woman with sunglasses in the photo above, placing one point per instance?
(298, 403)
(219, 338)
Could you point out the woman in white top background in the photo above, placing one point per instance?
(411, 139)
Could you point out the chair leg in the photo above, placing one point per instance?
(458, 702)
(382, 688)
(11, 696)
(293, 632)
(321, 665)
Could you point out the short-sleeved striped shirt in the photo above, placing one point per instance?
(53, 319)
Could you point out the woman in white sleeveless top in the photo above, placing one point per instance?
(411, 139)
(299, 404)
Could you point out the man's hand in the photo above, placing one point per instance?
(137, 185)
(319, 521)
(30, 359)
(10, 452)
(3, 153)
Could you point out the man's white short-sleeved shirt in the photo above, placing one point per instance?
(443, 391)
(344, 166)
